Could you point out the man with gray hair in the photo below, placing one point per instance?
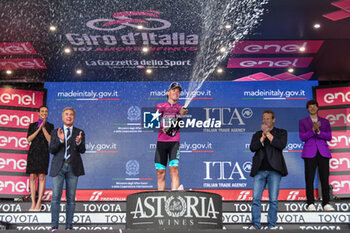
(67, 145)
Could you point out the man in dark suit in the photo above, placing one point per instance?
(315, 131)
(67, 143)
(268, 168)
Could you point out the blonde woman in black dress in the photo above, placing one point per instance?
(38, 155)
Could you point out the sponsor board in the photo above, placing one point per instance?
(132, 181)
(13, 162)
(101, 147)
(276, 47)
(339, 162)
(219, 120)
(14, 144)
(247, 194)
(283, 206)
(21, 63)
(203, 93)
(275, 93)
(129, 41)
(174, 210)
(226, 194)
(333, 96)
(341, 13)
(17, 119)
(16, 48)
(314, 227)
(337, 117)
(340, 140)
(15, 185)
(89, 207)
(120, 207)
(227, 218)
(102, 207)
(118, 64)
(151, 120)
(285, 62)
(320, 227)
(216, 171)
(344, 206)
(118, 139)
(340, 183)
(13, 140)
(77, 228)
(96, 195)
(12, 207)
(186, 147)
(290, 218)
(87, 95)
(78, 218)
(288, 206)
(21, 98)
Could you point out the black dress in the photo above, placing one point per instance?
(38, 154)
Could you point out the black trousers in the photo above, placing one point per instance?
(322, 164)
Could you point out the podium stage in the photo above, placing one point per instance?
(177, 210)
(95, 216)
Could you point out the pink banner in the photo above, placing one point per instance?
(21, 63)
(340, 183)
(264, 62)
(339, 162)
(21, 98)
(13, 140)
(333, 96)
(337, 117)
(340, 140)
(14, 185)
(13, 162)
(17, 119)
(16, 48)
(276, 47)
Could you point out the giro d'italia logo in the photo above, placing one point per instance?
(175, 206)
(149, 20)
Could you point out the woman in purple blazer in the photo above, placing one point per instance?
(315, 131)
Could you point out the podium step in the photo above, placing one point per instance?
(292, 215)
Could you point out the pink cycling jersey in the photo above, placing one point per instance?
(168, 111)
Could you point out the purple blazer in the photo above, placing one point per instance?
(313, 141)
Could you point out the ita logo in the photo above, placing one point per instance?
(151, 120)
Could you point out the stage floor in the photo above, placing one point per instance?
(183, 231)
(110, 216)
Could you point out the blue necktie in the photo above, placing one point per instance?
(69, 140)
